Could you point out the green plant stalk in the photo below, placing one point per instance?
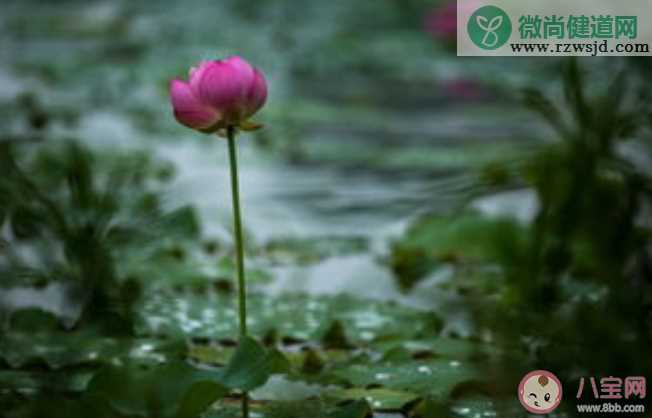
(239, 248)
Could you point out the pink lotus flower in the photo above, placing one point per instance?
(441, 22)
(464, 89)
(219, 94)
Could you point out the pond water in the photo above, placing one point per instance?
(364, 133)
(369, 161)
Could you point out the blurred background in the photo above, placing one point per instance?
(422, 229)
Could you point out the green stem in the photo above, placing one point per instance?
(239, 248)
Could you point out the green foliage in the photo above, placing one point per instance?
(381, 399)
(86, 348)
(171, 390)
(365, 321)
(390, 114)
(391, 370)
(571, 291)
(138, 377)
(335, 336)
(150, 377)
(84, 217)
(251, 366)
(132, 391)
(583, 278)
(312, 250)
(465, 239)
(435, 378)
(297, 409)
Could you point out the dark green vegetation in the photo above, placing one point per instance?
(370, 121)
(89, 222)
(569, 291)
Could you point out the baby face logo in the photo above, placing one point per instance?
(540, 392)
(489, 27)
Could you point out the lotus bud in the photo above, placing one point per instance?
(219, 94)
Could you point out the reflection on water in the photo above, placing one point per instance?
(379, 131)
(51, 298)
(289, 200)
(368, 125)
